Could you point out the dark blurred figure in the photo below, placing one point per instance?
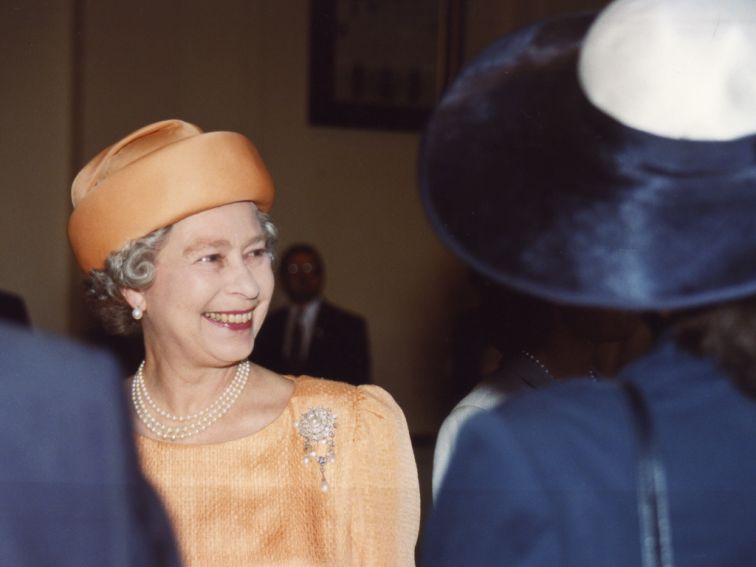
(539, 343)
(312, 336)
(13, 309)
(609, 163)
(477, 336)
(127, 350)
(71, 492)
(502, 321)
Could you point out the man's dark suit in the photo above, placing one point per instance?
(549, 478)
(338, 350)
(71, 493)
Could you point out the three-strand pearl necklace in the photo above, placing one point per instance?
(188, 425)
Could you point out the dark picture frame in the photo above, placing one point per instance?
(381, 64)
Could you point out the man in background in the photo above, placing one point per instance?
(311, 335)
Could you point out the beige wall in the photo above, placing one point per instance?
(35, 131)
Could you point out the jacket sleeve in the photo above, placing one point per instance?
(446, 440)
(491, 509)
(385, 494)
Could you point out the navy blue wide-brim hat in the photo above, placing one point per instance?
(528, 181)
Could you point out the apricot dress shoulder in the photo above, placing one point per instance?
(332, 481)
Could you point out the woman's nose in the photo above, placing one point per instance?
(242, 279)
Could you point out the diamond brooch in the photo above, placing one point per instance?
(318, 428)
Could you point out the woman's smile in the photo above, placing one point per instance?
(234, 320)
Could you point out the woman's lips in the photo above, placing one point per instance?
(234, 320)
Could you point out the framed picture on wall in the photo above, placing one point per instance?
(381, 63)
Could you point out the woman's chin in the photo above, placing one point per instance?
(233, 346)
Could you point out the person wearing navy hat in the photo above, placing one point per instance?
(610, 161)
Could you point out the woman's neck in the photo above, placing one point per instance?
(181, 387)
(566, 355)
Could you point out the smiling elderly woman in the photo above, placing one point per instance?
(255, 468)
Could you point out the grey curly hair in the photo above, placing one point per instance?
(133, 267)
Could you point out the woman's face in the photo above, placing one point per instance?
(212, 288)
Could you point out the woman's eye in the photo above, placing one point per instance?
(257, 253)
(210, 259)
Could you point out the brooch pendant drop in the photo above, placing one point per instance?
(317, 427)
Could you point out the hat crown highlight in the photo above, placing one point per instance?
(683, 69)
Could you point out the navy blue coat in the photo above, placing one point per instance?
(71, 492)
(549, 478)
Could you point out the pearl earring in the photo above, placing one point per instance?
(137, 313)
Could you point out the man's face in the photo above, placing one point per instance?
(302, 277)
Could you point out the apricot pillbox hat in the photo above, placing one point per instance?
(156, 176)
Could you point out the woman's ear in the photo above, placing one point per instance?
(134, 298)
